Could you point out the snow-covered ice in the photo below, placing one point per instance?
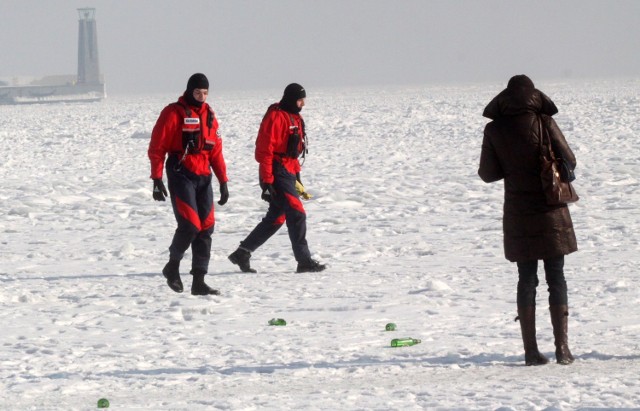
(410, 233)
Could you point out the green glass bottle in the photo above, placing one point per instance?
(277, 321)
(103, 403)
(404, 342)
(390, 327)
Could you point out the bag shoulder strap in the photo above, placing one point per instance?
(542, 131)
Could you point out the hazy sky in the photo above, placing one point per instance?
(155, 45)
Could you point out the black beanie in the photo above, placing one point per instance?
(292, 93)
(520, 81)
(197, 80)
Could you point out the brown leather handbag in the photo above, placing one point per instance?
(556, 190)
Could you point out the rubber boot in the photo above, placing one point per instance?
(199, 287)
(241, 257)
(310, 266)
(560, 322)
(171, 272)
(532, 356)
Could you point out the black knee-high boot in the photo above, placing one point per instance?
(560, 322)
(527, 316)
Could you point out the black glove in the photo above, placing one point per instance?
(268, 192)
(224, 194)
(159, 190)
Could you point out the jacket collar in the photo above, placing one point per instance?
(512, 102)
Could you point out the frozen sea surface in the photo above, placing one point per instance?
(409, 231)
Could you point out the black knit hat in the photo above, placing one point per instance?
(294, 92)
(197, 80)
(520, 81)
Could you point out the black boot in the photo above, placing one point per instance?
(171, 272)
(532, 356)
(560, 322)
(310, 266)
(241, 257)
(199, 287)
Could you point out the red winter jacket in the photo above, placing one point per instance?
(166, 138)
(271, 144)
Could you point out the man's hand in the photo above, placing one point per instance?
(268, 192)
(159, 190)
(224, 194)
(302, 192)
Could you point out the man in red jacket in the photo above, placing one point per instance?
(281, 140)
(187, 131)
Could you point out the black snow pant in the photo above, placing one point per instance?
(528, 281)
(285, 207)
(192, 201)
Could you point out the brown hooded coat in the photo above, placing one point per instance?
(532, 229)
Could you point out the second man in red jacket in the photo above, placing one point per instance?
(280, 142)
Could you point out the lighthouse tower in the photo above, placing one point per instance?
(88, 67)
(87, 85)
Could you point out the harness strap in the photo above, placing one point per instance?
(188, 112)
(303, 137)
(210, 114)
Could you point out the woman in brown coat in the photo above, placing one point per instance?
(532, 229)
